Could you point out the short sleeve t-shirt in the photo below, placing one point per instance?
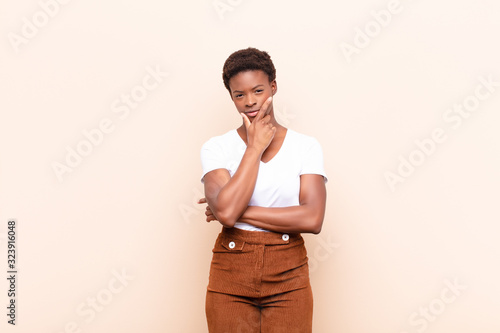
(278, 180)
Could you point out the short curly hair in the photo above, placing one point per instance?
(246, 60)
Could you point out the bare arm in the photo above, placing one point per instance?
(227, 196)
(307, 217)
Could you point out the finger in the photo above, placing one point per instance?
(268, 107)
(246, 121)
(202, 200)
(263, 109)
(273, 130)
(266, 119)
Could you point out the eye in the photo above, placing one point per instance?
(259, 90)
(238, 95)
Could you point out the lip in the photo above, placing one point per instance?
(252, 113)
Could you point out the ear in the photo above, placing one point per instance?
(274, 87)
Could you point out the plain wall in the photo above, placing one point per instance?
(392, 90)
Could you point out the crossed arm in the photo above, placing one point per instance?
(307, 217)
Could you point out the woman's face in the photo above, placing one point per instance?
(249, 90)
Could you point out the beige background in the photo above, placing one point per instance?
(386, 256)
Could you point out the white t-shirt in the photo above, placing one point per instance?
(278, 180)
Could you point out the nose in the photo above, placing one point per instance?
(250, 101)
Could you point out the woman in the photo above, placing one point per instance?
(266, 185)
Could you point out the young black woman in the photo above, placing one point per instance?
(266, 185)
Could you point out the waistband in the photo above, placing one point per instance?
(260, 237)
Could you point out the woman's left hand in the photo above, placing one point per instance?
(208, 211)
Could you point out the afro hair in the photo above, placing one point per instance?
(246, 60)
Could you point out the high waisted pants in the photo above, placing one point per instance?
(259, 282)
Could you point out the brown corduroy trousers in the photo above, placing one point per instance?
(259, 282)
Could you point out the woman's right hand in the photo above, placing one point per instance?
(260, 132)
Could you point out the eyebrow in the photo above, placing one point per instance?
(235, 91)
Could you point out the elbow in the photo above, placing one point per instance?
(316, 229)
(225, 219)
(227, 223)
(315, 225)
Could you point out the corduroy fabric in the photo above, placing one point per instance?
(258, 267)
(288, 312)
